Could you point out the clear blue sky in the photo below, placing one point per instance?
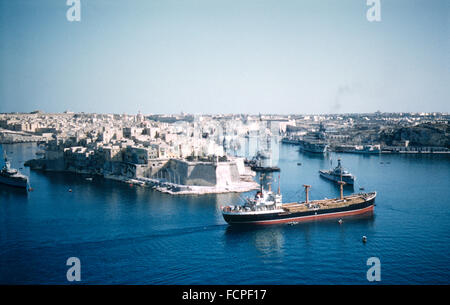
(225, 56)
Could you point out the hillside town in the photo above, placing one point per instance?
(184, 154)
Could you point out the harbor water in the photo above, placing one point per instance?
(126, 234)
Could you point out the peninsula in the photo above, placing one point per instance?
(192, 154)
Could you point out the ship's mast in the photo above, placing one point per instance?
(7, 165)
(341, 183)
(306, 191)
(261, 183)
(278, 184)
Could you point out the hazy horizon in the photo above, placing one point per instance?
(225, 57)
(227, 114)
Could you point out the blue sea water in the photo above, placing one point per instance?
(133, 235)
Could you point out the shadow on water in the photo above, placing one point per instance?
(60, 178)
(274, 240)
(247, 231)
(265, 239)
(348, 187)
(311, 155)
(13, 193)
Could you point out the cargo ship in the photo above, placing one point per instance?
(267, 208)
(338, 174)
(11, 176)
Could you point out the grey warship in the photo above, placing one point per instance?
(11, 176)
(338, 174)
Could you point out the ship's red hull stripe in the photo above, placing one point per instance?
(313, 217)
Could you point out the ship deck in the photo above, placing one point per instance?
(326, 203)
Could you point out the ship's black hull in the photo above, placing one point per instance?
(283, 217)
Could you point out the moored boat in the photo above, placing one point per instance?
(313, 146)
(338, 174)
(265, 169)
(11, 176)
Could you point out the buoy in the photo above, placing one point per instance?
(364, 239)
(340, 221)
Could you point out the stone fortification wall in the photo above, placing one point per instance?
(200, 173)
(227, 173)
(220, 174)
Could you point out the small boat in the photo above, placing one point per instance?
(89, 178)
(299, 163)
(265, 168)
(256, 165)
(262, 155)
